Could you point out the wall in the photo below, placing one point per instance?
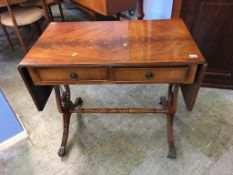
(157, 9)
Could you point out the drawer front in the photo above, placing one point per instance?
(67, 75)
(155, 75)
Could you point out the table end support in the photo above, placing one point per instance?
(67, 107)
(64, 105)
(170, 137)
(66, 122)
(170, 103)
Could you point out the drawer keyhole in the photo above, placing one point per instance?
(73, 76)
(149, 75)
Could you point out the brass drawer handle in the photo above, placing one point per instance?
(73, 76)
(149, 75)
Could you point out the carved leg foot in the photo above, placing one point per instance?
(66, 121)
(172, 153)
(170, 139)
(78, 102)
(163, 101)
(61, 151)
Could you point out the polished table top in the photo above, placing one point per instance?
(114, 43)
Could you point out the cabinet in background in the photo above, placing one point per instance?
(211, 25)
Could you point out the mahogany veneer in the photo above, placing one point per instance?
(115, 43)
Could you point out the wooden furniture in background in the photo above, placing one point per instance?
(104, 7)
(20, 16)
(176, 8)
(140, 13)
(55, 2)
(211, 25)
(121, 52)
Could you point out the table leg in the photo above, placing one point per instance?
(140, 13)
(66, 122)
(64, 105)
(61, 11)
(170, 139)
(50, 13)
(170, 102)
(118, 16)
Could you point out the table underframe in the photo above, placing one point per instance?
(67, 107)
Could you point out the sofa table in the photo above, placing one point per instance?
(124, 52)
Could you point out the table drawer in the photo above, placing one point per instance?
(157, 75)
(67, 75)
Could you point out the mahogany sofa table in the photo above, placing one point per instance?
(122, 52)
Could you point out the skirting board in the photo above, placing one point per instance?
(13, 140)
